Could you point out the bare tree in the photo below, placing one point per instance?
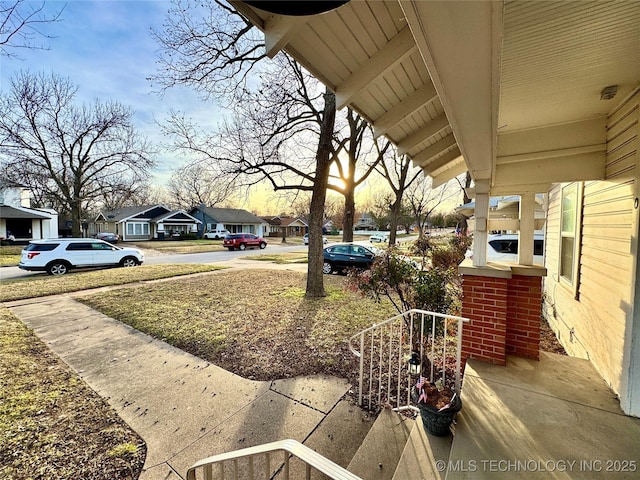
(20, 25)
(422, 199)
(216, 51)
(199, 183)
(209, 47)
(74, 154)
(396, 171)
(353, 144)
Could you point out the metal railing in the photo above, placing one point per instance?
(432, 341)
(262, 462)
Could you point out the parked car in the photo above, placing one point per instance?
(243, 240)
(305, 239)
(108, 237)
(216, 234)
(504, 248)
(378, 238)
(346, 255)
(58, 256)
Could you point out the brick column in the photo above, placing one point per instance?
(503, 304)
(484, 303)
(524, 309)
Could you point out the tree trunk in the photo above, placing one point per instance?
(315, 284)
(76, 219)
(349, 214)
(393, 224)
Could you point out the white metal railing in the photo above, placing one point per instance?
(385, 348)
(256, 463)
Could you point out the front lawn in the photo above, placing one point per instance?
(40, 286)
(281, 258)
(52, 425)
(255, 323)
(179, 246)
(10, 255)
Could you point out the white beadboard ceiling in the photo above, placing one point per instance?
(478, 85)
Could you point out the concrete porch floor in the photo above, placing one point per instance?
(555, 418)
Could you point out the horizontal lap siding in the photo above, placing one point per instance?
(598, 317)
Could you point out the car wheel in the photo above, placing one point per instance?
(327, 268)
(129, 262)
(242, 246)
(58, 268)
(262, 245)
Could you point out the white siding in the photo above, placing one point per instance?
(593, 324)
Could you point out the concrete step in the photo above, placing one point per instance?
(425, 456)
(380, 452)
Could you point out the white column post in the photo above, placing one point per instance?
(527, 227)
(481, 213)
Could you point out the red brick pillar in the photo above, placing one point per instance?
(524, 309)
(484, 303)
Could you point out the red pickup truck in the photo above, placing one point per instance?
(243, 240)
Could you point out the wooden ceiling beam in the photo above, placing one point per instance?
(396, 50)
(432, 128)
(440, 162)
(424, 95)
(434, 150)
(278, 30)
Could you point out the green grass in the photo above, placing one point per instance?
(180, 246)
(40, 286)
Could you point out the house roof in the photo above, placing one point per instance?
(229, 215)
(284, 221)
(176, 216)
(125, 213)
(22, 212)
(510, 91)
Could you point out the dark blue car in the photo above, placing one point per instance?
(345, 255)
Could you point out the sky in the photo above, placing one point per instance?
(105, 47)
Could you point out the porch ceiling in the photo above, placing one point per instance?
(508, 90)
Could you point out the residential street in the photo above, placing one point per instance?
(154, 258)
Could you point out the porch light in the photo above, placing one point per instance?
(413, 365)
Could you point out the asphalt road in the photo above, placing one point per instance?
(153, 258)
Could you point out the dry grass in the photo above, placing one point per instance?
(52, 425)
(180, 246)
(281, 258)
(256, 324)
(30, 287)
(10, 255)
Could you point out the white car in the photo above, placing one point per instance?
(504, 248)
(378, 238)
(58, 256)
(216, 234)
(305, 239)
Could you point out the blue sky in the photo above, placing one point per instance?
(105, 47)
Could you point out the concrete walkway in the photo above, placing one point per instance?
(184, 407)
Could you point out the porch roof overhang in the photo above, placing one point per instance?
(509, 91)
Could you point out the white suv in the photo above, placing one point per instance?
(504, 248)
(58, 256)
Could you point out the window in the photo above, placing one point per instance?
(568, 228)
(79, 246)
(137, 229)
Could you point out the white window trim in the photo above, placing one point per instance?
(574, 283)
(144, 226)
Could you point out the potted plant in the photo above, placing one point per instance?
(438, 406)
